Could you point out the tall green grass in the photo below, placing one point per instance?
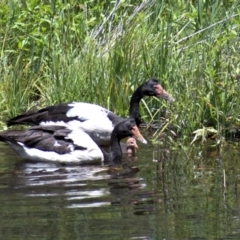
(55, 52)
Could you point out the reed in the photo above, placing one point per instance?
(100, 53)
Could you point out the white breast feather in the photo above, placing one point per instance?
(96, 123)
(80, 138)
(56, 144)
(86, 110)
(92, 153)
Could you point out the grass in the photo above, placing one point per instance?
(100, 53)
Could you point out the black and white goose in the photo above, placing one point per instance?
(93, 119)
(60, 144)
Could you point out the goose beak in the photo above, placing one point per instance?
(161, 93)
(137, 135)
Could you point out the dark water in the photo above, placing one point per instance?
(191, 194)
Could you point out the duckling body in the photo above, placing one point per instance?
(130, 147)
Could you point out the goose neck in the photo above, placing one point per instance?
(134, 104)
(116, 152)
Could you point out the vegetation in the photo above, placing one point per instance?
(99, 52)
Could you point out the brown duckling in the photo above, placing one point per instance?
(130, 147)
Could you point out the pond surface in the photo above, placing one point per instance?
(163, 194)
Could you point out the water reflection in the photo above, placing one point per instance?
(163, 194)
(71, 182)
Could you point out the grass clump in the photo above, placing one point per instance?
(56, 51)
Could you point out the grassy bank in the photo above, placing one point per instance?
(55, 52)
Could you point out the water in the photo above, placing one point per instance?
(162, 194)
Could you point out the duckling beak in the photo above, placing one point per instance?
(136, 134)
(134, 145)
(161, 93)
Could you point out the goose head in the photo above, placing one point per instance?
(128, 128)
(150, 88)
(153, 88)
